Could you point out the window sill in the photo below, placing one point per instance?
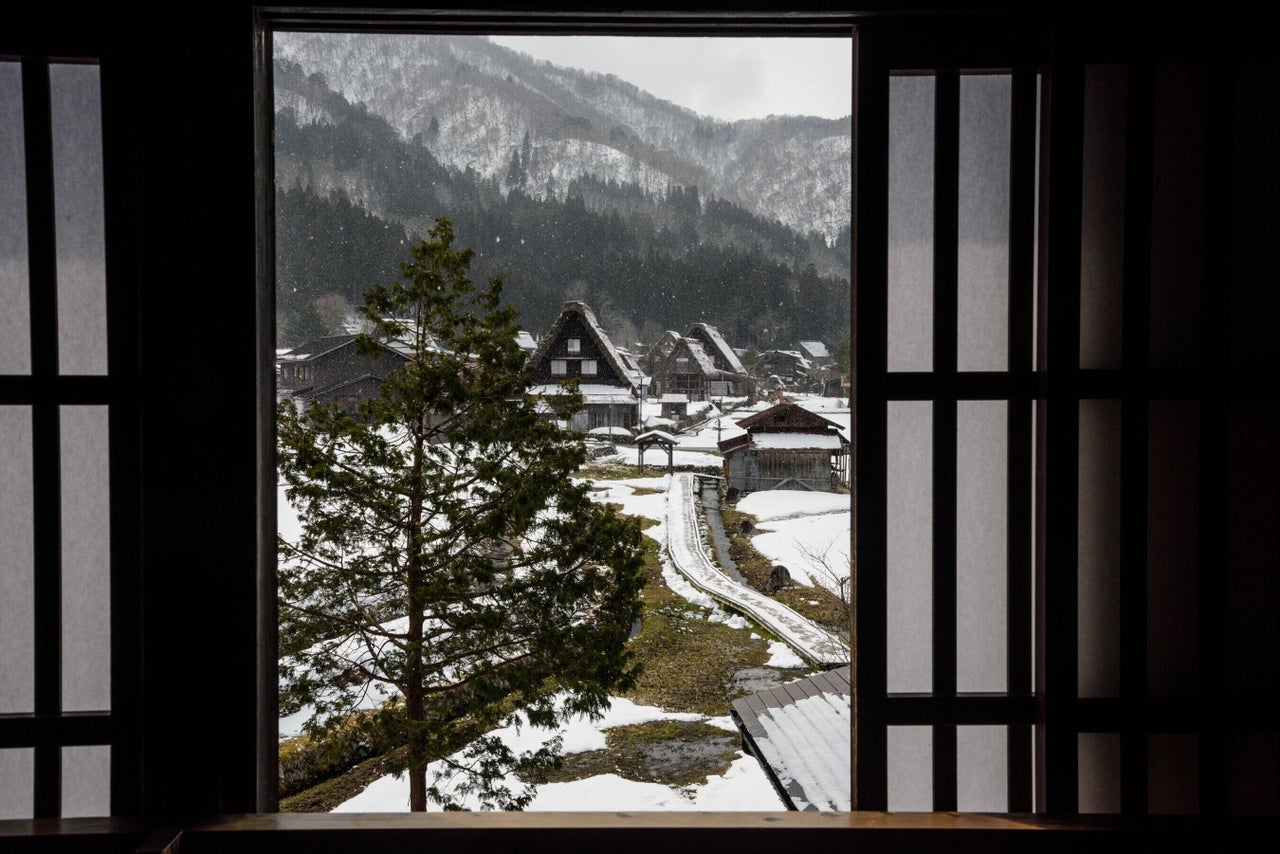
(619, 833)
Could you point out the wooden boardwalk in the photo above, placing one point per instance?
(687, 548)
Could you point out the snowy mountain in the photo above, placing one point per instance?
(535, 126)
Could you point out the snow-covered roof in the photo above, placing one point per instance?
(321, 346)
(722, 347)
(796, 441)
(700, 356)
(815, 349)
(660, 435)
(804, 744)
(674, 397)
(609, 431)
(590, 393)
(526, 341)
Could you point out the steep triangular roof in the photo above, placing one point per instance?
(810, 419)
(315, 347)
(693, 347)
(721, 347)
(662, 347)
(599, 337)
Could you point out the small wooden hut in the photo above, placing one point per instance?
(786, 447)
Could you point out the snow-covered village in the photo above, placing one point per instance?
(564, 499)
(532, 428)
(740, 483)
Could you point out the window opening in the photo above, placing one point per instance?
(616, 240)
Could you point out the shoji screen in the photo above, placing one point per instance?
(55, 466)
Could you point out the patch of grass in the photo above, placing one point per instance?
(607, 471)
(688, 662)
(327, 795)
(674, 753)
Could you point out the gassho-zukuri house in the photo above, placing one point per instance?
(332, 370)
(786, 447)
(577, 347)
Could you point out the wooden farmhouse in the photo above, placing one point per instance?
(661, 349)
(332, 370)
(786, 447)
(790, 366)
(732, 379)
(576, 347)
(688, 370)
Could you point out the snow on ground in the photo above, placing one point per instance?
(796, 526)
(743, 786)
(647, 505)
(655, 458)
(707, 437)
(801, 544)
(783, 656)
(287, 524)
(791, 503)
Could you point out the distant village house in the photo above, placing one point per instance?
(332, 370)
(786, 447)
(699, 365)
(577, 347)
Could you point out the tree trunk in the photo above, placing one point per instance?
(414, 704)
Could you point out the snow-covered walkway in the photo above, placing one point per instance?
(688, 553)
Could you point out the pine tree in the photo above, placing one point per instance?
(449, 573)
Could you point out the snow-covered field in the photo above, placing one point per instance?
(743, 786)
(807, 532)
(792, 524)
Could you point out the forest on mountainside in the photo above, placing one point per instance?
(352, 195)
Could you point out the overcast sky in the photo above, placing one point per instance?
(728, 78)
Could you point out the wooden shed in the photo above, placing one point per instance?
(786, 447)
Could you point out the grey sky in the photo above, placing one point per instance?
(728, 78)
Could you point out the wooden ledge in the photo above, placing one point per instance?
(626, 832)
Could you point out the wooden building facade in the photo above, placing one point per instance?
(577, 347)
(786, 447)
(333, 370)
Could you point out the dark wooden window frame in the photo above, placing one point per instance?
(239, 779)
(45, 391)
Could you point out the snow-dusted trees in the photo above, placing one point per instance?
(449, 573)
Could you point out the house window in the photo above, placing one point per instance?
(559, 367)
(575, 345)
(588, 367)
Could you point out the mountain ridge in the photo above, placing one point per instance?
(472, 102)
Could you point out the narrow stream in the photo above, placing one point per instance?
(715, 524)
